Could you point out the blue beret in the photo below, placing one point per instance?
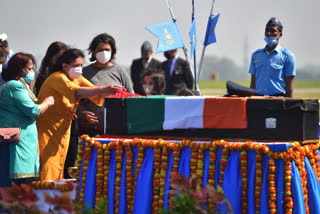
(274, 22)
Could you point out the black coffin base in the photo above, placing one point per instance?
(296, 120)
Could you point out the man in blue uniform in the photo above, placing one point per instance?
(273, 68)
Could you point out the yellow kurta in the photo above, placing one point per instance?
(54, 125)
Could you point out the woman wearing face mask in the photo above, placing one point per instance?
(67, 86)
(153, 82)
(19, 161)
(29, 75)
(101, 72)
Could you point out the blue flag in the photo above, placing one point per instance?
(210, 34)
(168, 34)
(193, 37)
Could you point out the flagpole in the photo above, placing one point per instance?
(204, 46)
(174, 19)
(196, 87)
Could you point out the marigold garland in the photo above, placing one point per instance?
(244, 178)
(299, 155)
(156, 176)
(86, 157)
(200, 147)
(119, 151)
(106, 166)
(129, 177)
(66, 186)
(223, 161)
(272, 187)
(99, 175)
(212, 173)
(79, 161)
(163, 170)
(176, 147)
(140, 145)
(258, 181)
(296, 153)
(287, 191)
(194, 159)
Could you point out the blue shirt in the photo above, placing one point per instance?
(271, 70)
(11, 53)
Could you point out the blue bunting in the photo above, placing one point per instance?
(193, 37)
(210, 33)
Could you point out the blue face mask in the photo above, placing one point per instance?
(29, 77)
(271, 41)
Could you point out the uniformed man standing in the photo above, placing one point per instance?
(273, 68)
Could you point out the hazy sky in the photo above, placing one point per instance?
(32, 25)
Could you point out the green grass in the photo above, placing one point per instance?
(302, 89)
(222, 84)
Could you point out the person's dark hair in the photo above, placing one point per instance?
(158, 79)
(46, 67)
(104, 38)
(186, 92)
(30, 57)
(68, 57)
(280, 28)
(4, 43)
(3, 55)
(16, 64)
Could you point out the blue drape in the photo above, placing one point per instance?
(251, 181)
(296, 190)
(143, 194)
(167, 183)
(123, 192)
(313, 187)
(264, 205)
(184, 162)
(232, 182)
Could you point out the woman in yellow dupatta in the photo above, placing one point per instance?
(67, 86)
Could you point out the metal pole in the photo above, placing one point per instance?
(172, 16)
(204, 47)
(174, 19)
(196, 88)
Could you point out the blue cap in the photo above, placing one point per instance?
(146, 46)
(274, 22)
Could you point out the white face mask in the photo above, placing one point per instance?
(147, 89)
(75, 72)
(103, 56)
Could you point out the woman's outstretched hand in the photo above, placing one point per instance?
(112, 89)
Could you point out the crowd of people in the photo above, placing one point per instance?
(64, 99)
(54, 106)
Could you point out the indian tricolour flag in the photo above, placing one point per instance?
(157, 113)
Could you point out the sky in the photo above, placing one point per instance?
(33, 25)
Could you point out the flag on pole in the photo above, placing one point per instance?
(210, 34)
(168, 34)
(193, 37)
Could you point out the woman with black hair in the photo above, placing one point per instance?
(19, 161)
(46, 68)
(103, 71)
(67, 86)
